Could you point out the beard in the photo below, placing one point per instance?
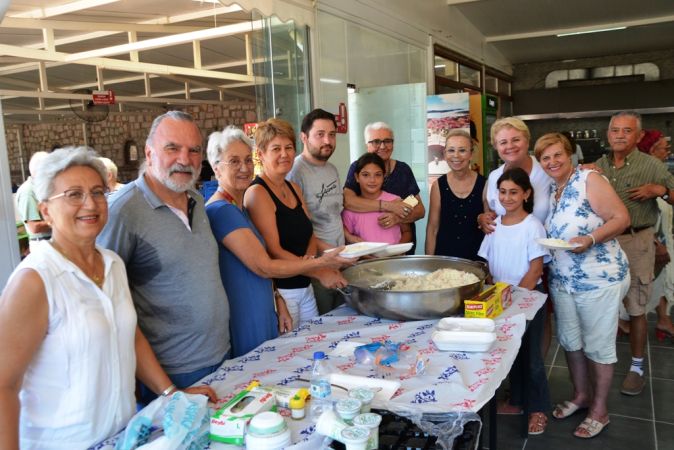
(319, 154)
(176, 186)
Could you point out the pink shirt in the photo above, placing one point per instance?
(365, 225)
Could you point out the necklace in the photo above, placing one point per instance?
(97, 279)
(281, 188)
(560, 188)
(227, 196)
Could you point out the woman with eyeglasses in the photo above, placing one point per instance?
(68, 335)
(279, 212)
(398, 180)
(256, 314)
(456, 201)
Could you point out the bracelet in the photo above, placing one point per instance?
(169, 390)
(379, 205)
(593, 240)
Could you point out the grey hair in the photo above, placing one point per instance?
(219, 142)
(61, 160)
(173, 115)
(110, 165)
(376, 126)
(633, 114)
(35, 162)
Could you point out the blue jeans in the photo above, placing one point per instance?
(181, 380)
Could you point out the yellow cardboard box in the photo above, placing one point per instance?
(489, 303)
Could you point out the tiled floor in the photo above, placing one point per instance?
(643, 422)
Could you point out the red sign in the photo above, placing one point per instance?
(342, 119)
(103, 97)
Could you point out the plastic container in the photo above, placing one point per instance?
(348, 408)
(355, 438)
(463, 341)
(369, 421)
(330, 425)
(463, 324)
(267, 431)
(365, 396)
(320, 389)
(297, 407)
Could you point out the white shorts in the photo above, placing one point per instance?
(301, 304)
(588, 321)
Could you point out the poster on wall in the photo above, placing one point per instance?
(443, 113)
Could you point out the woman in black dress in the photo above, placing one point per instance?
(456, 201)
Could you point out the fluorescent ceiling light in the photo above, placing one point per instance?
(165, 41)
(439, 66)
(601, 30)
(215, 2)
(331, 81)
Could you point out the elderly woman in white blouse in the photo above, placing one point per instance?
(68, 337)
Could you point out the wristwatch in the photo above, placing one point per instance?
(665, 196)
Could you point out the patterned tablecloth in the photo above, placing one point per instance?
(453, 388)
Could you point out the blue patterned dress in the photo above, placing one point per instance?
(600, 266)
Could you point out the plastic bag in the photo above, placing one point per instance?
(184, 418)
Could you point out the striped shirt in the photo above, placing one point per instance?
(639, 169)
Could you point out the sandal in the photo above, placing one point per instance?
(589, 428)
(537, 423)
(566, 409)
(506, 409)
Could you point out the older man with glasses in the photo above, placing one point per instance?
(398, 179)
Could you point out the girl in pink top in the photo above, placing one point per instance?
(364, 226)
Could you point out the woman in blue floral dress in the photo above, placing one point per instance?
(588, 281)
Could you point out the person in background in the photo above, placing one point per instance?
(68, 332)
(26, 204)
(256, 314)
(456, 201)
(586, 282)
(319, 180)
(364, 226)
(577, 155)
(398, 180)
(514, 257)
(277, 209)
(158, 226)
(639, 179)
(113, 184)
(655, 144)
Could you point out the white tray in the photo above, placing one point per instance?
(463, 324)
(395, 249)
(360, 249)
(463, 341)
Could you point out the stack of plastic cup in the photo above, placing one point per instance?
(369, 421)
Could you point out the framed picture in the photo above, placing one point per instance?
(131, 151)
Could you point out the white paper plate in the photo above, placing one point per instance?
(556, 244)
(395, 249)
(466, 324)
(361, 249)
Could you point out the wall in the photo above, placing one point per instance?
(108, 137)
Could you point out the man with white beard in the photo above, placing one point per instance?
(158, 226)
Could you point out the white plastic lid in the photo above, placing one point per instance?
(363, 394)
(277, 441)
(369, 420)
(266, 423)
(355, 435)
(348, 405)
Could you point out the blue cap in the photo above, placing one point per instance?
(319, 355)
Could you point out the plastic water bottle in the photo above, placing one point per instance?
(321, 392)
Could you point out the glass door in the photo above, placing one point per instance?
(281, 58)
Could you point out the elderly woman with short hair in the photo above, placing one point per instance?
(68, 332)
(588, 281)
(245, 266)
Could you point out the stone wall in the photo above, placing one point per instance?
(108, 137)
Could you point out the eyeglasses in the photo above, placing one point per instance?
(77, 197)
(237, 163)
(378, 142)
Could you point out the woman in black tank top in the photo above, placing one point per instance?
(278, 211)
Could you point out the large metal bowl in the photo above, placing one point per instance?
(408, 305)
